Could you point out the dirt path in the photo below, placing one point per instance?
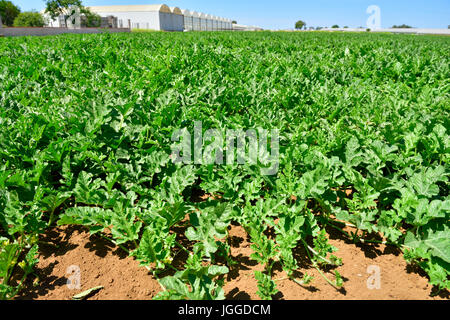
(101, 264)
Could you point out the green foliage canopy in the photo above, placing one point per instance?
(8, 12)
(29, 19)
(300, 25)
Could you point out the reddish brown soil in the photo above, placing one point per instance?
(398, 281)
(102, 264)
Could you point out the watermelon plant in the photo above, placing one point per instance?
(86, 125)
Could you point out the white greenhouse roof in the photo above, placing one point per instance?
(176, 10)
(131, 8)
(186, 13)
(156, 7)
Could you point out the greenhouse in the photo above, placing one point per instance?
(177, 19)
(215, 23)
(153, 17)
(188, 20)
(158, 17)
(209, 22)
(203, 22)
(196, 25)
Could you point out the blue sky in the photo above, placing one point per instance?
(282, 14)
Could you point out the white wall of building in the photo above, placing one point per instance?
(138, 20)
(177, 22)
(215, 23)
(49, 22)
(203, 22)
(195, 21)
(209, 23)
(188, 20)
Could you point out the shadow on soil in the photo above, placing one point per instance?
(371, 250)
(50, 283)
(236, 294)
(56, 242)
(444, 294)
(101, 247)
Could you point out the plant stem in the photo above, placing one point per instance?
(270, 266)
(50, 220)
(173, 268)
(317, 268)
(282, 279)
(315, 253)
(181, 247)
(299, 282)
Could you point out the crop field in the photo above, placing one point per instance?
(87, 127)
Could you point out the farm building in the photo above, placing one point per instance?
(177, 18)
(203, 22)
(240, 27)
(162, 17)
(228, 24)
(155, 17)
(188, 20)
(196, 21)
(215, 23)
(209, 22)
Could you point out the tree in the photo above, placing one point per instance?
(8, 12)
(29, 19)
(335, 26)
(55, 8)
(234, 22)
(299, 25)
(90, 19)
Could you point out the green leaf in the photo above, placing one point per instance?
(95, 218)
(155, 246)
(266, 286)
(208, 226)
(86, 294)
